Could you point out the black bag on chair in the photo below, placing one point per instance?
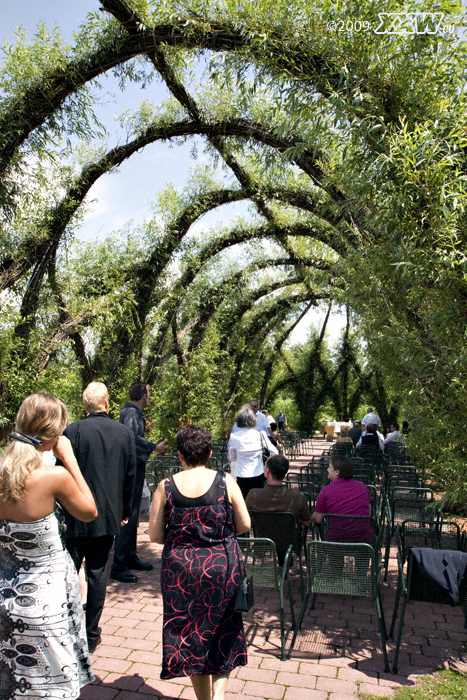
(245, 598)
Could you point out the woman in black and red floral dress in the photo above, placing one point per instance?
(196, 514)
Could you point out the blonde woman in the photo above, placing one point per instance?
(344, 438)
(43, 648)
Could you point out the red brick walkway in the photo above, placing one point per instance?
(337, 653)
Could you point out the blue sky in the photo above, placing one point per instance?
(124, 196)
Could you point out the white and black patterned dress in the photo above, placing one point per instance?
(43, 646)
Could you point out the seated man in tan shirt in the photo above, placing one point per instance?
(274, 496)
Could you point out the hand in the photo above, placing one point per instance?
(124, 522)
(63, 450)
(161, 447)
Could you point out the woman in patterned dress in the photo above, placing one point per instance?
(196, 515)
(43, 648)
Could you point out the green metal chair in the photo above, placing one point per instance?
(415, 585)
(151, 482)
(283, 528)
(433, 535)
(260, 560)
(350, 569)
(407, 508)
(161, 471)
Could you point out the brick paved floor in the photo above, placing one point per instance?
(337, 654)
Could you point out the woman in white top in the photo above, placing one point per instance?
(246, 450)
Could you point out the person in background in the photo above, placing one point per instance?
(394, 435)
(355, 431)
(261, 419)
(196, 514)
(43, 646)
(245, 448)
(277, 497)
(344, 496)
(281, 421)
(105, 451)
(371, 436)
(125, 554)
(344, 438)
(371, 418)
(275, 437)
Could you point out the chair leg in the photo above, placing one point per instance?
(396, 607)
(382, 631)
(389, 536)
(399, 635)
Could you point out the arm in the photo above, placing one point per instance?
(321, 508)
(305, 515)
(161, 447)
(129, 480)
(272, 448)
(157, 516)
(241, 516)
(72, 491)
(135, 421)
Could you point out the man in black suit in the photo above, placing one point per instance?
(106, 454)
(125, 555)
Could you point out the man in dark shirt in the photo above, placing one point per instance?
(277, 497)
(105, 451)
(125, 555)
(355, 432)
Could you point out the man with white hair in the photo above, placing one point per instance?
(371, 418)
(106, 454)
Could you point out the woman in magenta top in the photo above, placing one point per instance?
(344, 496)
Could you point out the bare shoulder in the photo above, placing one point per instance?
(47, 474)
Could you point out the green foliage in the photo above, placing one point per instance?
(442, 685)
(349, 146)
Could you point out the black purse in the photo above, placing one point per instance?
(266, 451)
(245, 598)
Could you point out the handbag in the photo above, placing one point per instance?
(266, 452)
(245, 598)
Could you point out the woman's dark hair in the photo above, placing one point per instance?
(370, 428)
(343, 465)
(273, 426)
(195, 445)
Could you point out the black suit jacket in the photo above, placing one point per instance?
(106, 454)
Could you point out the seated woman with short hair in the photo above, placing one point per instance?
(344, 496)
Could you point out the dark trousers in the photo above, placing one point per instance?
(253, 482)
(95, 551)
(125, 541)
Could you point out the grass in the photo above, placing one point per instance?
(443, 685)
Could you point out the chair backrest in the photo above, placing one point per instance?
(422, 493)
(341, 568)
(281, 527)
(151, 482)
(162, 471)
(317, 473)
(413, 509)
(433, 535)
(342, 448)
(367, 475)
(260, 560)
